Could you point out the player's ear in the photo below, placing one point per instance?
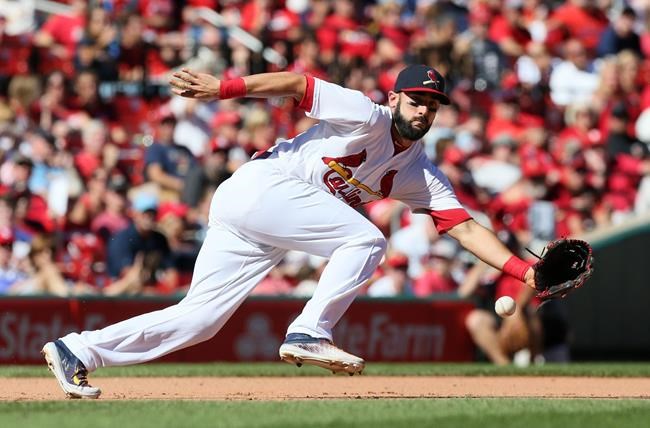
(393, 99)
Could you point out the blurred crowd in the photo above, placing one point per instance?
(106, 180)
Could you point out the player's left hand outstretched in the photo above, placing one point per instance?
(200, 86)
(565, 265)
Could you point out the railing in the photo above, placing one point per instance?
(245, 38)
(610, 235)
(210, 16)
(52, 7)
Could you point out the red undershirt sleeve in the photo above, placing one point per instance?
(446, 219)
(307, 101)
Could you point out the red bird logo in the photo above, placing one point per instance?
(432, 79)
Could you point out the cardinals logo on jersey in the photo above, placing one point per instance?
(340, 179)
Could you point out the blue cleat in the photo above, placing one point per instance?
(69, 371)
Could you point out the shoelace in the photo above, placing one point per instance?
(81, 376)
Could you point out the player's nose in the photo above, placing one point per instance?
(421, 110)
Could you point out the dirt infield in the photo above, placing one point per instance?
(340, 387)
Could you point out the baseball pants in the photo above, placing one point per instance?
(255, 218)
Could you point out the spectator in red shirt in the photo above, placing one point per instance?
(255, 16)
(174, 224)
(168, 52)
(579, 19)
(436, 277)
(58, 39)
(31, 213)
(91, 202)
(113, 216)
(509, 209)
(284, 25)
(536, 162)
(504, 118)
(15, 50)
(307, 58)
(341, 34)
(50, 107)
(158, 15)
(86, 102)
(508, 29)
(131, 60)
(96, 151)
(275, 283)
(581, 129)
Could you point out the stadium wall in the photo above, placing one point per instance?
(380, 330)
(609, 317)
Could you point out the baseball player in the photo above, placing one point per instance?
(299, 195)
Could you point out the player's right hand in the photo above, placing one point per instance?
(200, 86)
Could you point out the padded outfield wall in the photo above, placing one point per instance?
(609, 317)
(378, 329)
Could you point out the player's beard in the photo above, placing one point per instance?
(404, 127)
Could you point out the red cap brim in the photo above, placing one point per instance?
(441, 96)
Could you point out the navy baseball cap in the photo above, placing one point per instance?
(422, 78)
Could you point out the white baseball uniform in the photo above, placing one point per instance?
(300, 195)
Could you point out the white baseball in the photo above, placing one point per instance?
(505, 306)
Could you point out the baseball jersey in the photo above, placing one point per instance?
(350, 154)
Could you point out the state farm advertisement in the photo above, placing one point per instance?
(375, 330)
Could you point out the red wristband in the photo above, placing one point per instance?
(516, 267)
(233, 88)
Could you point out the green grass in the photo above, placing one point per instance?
(417, 369)
(465, 413)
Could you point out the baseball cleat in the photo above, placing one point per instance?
(69, 371)
(302, 349)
